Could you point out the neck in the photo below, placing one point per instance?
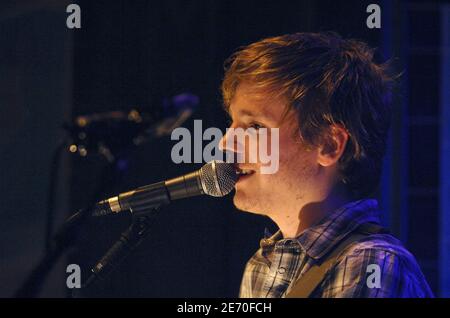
(294, 221)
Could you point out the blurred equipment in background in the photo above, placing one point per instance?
(112, 133)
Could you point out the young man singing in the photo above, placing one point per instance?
(330, 103)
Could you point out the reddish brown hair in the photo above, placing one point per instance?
(328, 81)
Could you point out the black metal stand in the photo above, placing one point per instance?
(54, 175)
(62, 240)
(127, 242)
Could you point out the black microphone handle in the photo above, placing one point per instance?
(185, 186)
(152, 196)
(139, 201)
(145, 199)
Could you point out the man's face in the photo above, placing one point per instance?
(290, 187)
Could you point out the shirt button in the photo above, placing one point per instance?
(266, 243)
(281, 270)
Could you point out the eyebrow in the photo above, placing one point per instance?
(245, 112)
(249, 113)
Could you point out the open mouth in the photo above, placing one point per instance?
(243, 173)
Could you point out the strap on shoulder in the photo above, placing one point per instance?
(306, 284)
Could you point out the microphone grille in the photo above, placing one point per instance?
(218, 178)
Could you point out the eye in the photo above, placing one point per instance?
(256, 126)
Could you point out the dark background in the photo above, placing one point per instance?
(133, 54)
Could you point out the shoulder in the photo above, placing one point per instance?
(376, 266)
(377, 246)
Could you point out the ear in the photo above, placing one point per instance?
(333, 145)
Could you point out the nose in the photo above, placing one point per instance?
(230, 142)
(224, 145)
(231, 146)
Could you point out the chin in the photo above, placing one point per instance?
(244, 203)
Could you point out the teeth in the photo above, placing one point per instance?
(244, 172)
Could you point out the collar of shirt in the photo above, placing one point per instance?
(319, 239)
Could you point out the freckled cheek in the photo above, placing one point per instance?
(250, 148)
(277, 148)
(266, 147)
(290, 151)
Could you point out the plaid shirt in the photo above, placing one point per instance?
(280, 262)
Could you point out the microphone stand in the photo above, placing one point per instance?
(51, 196)
(142, 218)
(63, 238)
(127, 242)
(68, 233)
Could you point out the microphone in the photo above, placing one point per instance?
(215, 178)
